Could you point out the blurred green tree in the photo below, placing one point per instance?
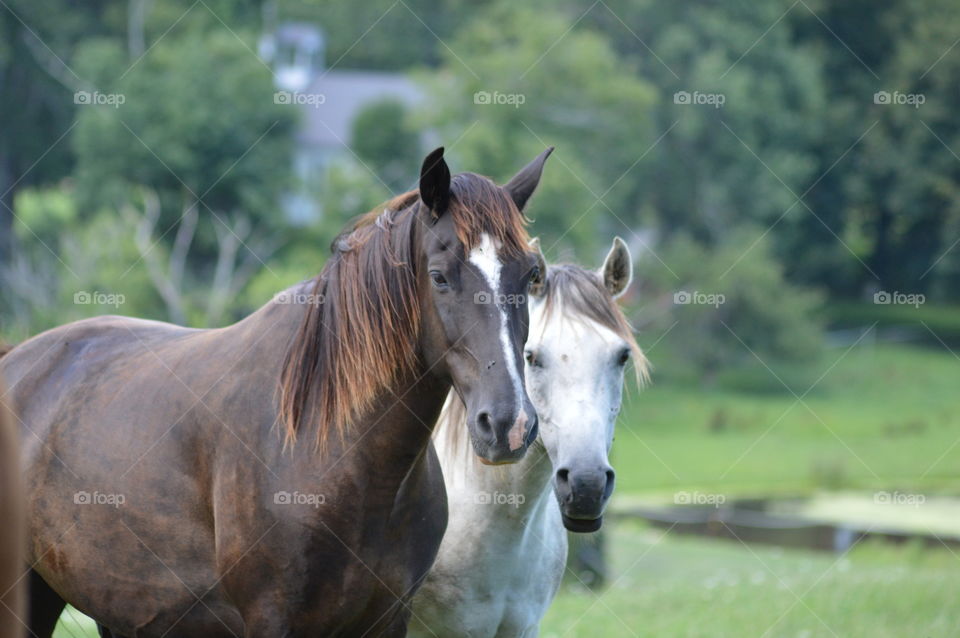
(37, 42)
(745, 160)
(516, 80)
(199, 127)
(382, 34)
(905, 193)
(386, 140)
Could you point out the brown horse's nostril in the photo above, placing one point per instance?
(485, 426)
(500, 433)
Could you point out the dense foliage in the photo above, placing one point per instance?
(740, 148)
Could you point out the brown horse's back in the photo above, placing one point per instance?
(11, 559)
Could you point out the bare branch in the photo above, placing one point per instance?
(146, 222)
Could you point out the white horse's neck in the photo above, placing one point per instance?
(521, 492)
(504, 551)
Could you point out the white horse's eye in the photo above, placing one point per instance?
(623, 357)
(532, 359)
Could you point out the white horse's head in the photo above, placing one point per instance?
(576, 354)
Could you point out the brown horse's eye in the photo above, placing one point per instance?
(438, 280)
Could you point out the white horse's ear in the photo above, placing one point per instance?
(538, 284)
(617, 269)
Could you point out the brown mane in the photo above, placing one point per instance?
(362, 334)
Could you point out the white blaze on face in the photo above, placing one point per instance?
(485, 258)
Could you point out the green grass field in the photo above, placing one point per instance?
(880, 417)
(687, 587)
(883, 417)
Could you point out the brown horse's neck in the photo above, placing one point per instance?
(392, 434)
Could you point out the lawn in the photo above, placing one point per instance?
(686, 587)
(880, 417)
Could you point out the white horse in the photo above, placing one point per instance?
(505, 548)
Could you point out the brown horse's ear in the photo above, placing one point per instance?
(538, 284)
(435, 183)
(617, 269)
(523, 184)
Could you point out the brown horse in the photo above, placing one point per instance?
(275, 477)
(12, 617)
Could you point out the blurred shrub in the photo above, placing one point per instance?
(726, 313)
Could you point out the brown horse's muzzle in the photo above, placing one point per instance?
(503, 436)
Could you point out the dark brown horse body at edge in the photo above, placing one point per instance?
(11, 528)
(162, 497)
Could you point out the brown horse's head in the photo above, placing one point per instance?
(435, 278)
(475, 268)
